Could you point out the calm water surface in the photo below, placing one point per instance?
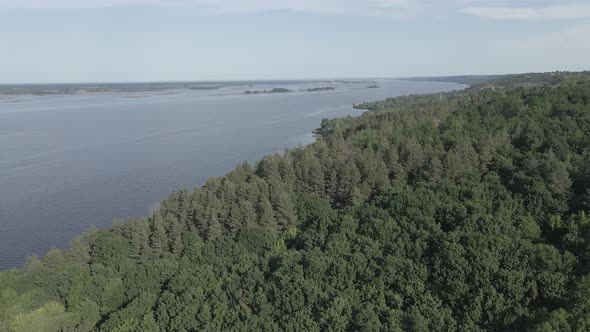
(69, 162)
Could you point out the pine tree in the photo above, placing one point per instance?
(286, 171)
(158, 238)
(265, 212)
(233, 223)
(247, 212)
(283, 206)
(175, 230)
(267, 167)
(214, 228)
(184, 207)
(138, 233)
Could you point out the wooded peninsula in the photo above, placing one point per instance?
(461, 211)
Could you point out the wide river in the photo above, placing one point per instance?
(70, 162)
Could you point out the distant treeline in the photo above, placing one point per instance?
(62, 89)
(74, 88)
(324, 88)
(509, 81)
(274, 90)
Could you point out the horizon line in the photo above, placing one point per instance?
(276, 79)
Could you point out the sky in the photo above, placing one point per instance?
(57, 41)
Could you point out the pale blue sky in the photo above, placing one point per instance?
(168, 40)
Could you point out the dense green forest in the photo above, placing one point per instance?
(510, 81)
(461, 212)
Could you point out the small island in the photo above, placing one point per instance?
(323, 88)
(275, 90)
(374, 86)
(201, 87)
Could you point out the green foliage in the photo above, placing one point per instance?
(50, 317)
(462, 213)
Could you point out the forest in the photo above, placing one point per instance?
(466, 211)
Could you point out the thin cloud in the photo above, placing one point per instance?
(535, 51)
(550, 11)
(64, 4)
(569, 39)
(360, 7)
(530, 10)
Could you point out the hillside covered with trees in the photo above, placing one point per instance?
(466, 212)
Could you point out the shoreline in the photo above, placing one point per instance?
(312, 135)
